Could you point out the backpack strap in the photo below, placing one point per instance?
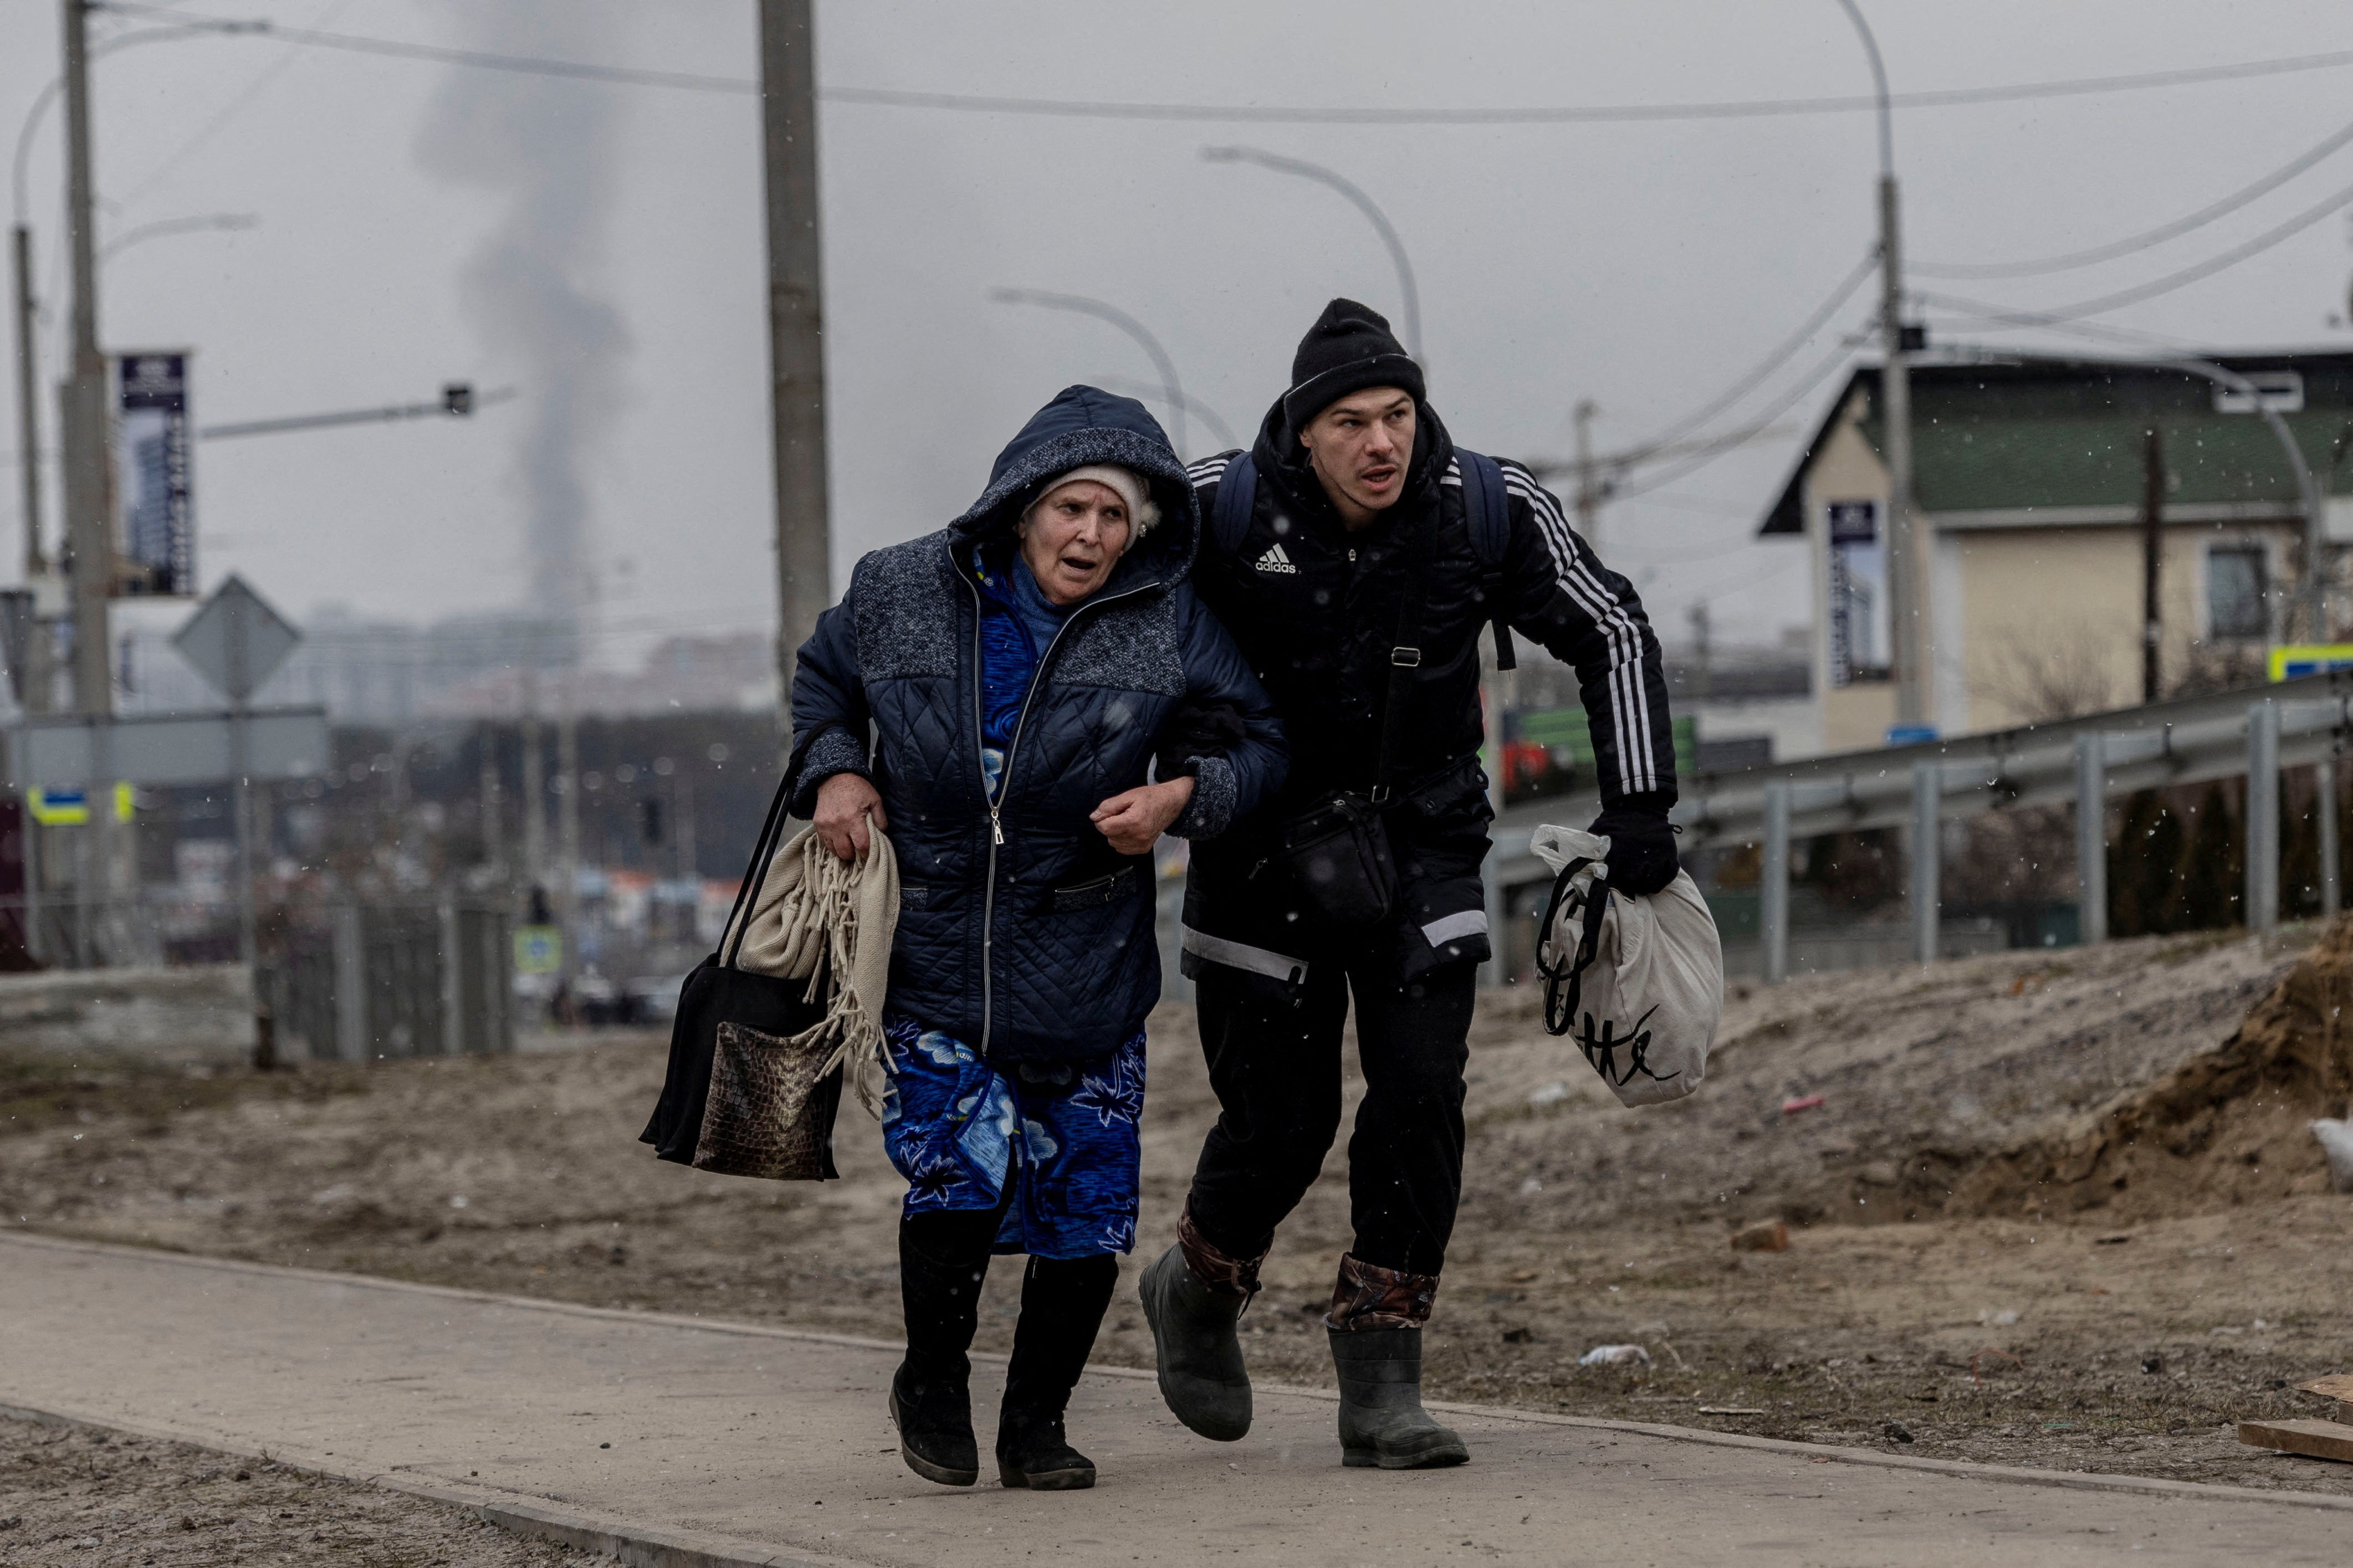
(1229, 514)
(1405, 664)
(1486, 506)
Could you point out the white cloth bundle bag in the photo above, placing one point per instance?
(1642, 1001)
(812, 906)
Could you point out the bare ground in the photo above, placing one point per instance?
(72, 1498)
(2029, 1320)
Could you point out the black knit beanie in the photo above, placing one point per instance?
(1349, 349)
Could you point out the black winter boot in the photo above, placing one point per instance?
(942, 1260)
(1381, 1419)
(1198, 1354)
(1062, 1302)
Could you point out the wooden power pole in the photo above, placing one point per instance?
(795, 332)
(2152, 565)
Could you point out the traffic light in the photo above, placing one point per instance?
(457, 399)
(650, 818)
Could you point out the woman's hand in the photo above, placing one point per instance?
(1133, 821)
(844, 802)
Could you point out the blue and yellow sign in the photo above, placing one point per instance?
(2310, 659)
(70, 808)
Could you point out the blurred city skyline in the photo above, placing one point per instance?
(599, 246)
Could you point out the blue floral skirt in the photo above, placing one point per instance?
(1054, 1145)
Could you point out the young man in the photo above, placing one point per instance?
(1356, 576)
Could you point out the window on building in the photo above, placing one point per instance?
(2237, 588)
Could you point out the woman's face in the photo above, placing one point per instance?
(1073, 536)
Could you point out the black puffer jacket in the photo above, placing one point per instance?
(1315, 609)
(1037, 946)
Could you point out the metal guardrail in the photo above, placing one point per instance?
(60, 932)
(2253, 732)
(396, 981)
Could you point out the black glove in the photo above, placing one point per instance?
(1641, 849)
(1197, 730)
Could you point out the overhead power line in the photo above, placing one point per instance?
(2185, 277)
(1752, 108)
(244, 100)
(2158, 235)
(1785, 352)
(530, 65)
(1758, 429)
(1980, 312)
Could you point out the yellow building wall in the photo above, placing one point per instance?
(1856, 718)
(2047, 619)
(2052, 616)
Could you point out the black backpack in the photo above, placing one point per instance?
(1485, 505)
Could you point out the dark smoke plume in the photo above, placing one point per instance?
(546, 145)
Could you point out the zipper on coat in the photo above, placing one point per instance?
(995, 829)
(1005, 784)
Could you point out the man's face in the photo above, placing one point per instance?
(1359, 447)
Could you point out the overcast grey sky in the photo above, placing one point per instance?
(599, 248)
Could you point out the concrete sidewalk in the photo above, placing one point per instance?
(674, 1441)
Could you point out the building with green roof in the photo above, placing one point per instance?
(2032, 482)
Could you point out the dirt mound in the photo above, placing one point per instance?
(2229, 1126)
(1924, 1075)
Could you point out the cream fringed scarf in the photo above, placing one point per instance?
(812, 903)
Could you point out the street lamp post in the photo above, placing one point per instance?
(1410, 296)
(171, 226)
(28, 426)
(1907, 554)
(33, 686)
(1079, 304)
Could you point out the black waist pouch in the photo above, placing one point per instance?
(1338, 853)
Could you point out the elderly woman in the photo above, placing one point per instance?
(1018, 671)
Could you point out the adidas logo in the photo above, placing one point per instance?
(1274, 559)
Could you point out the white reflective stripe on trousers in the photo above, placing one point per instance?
(1242, 956)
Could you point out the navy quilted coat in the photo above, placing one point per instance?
(1029, 936)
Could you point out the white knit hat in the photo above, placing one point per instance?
(1130, 485)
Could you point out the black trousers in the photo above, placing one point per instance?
(1274, 1061)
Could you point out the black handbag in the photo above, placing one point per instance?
(1337, 850)
(718, 994)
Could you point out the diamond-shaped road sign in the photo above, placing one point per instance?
(236, 641)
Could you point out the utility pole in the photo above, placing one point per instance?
(796, 333)
(1907, 554)
(567, 823)
(534, 793)
(683, 831)
(2152, 565)
(85, 399)
(1588, 477)
(240, 768)
(494, 854)
(35, 678)
(87, 536)
(1702, 652)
